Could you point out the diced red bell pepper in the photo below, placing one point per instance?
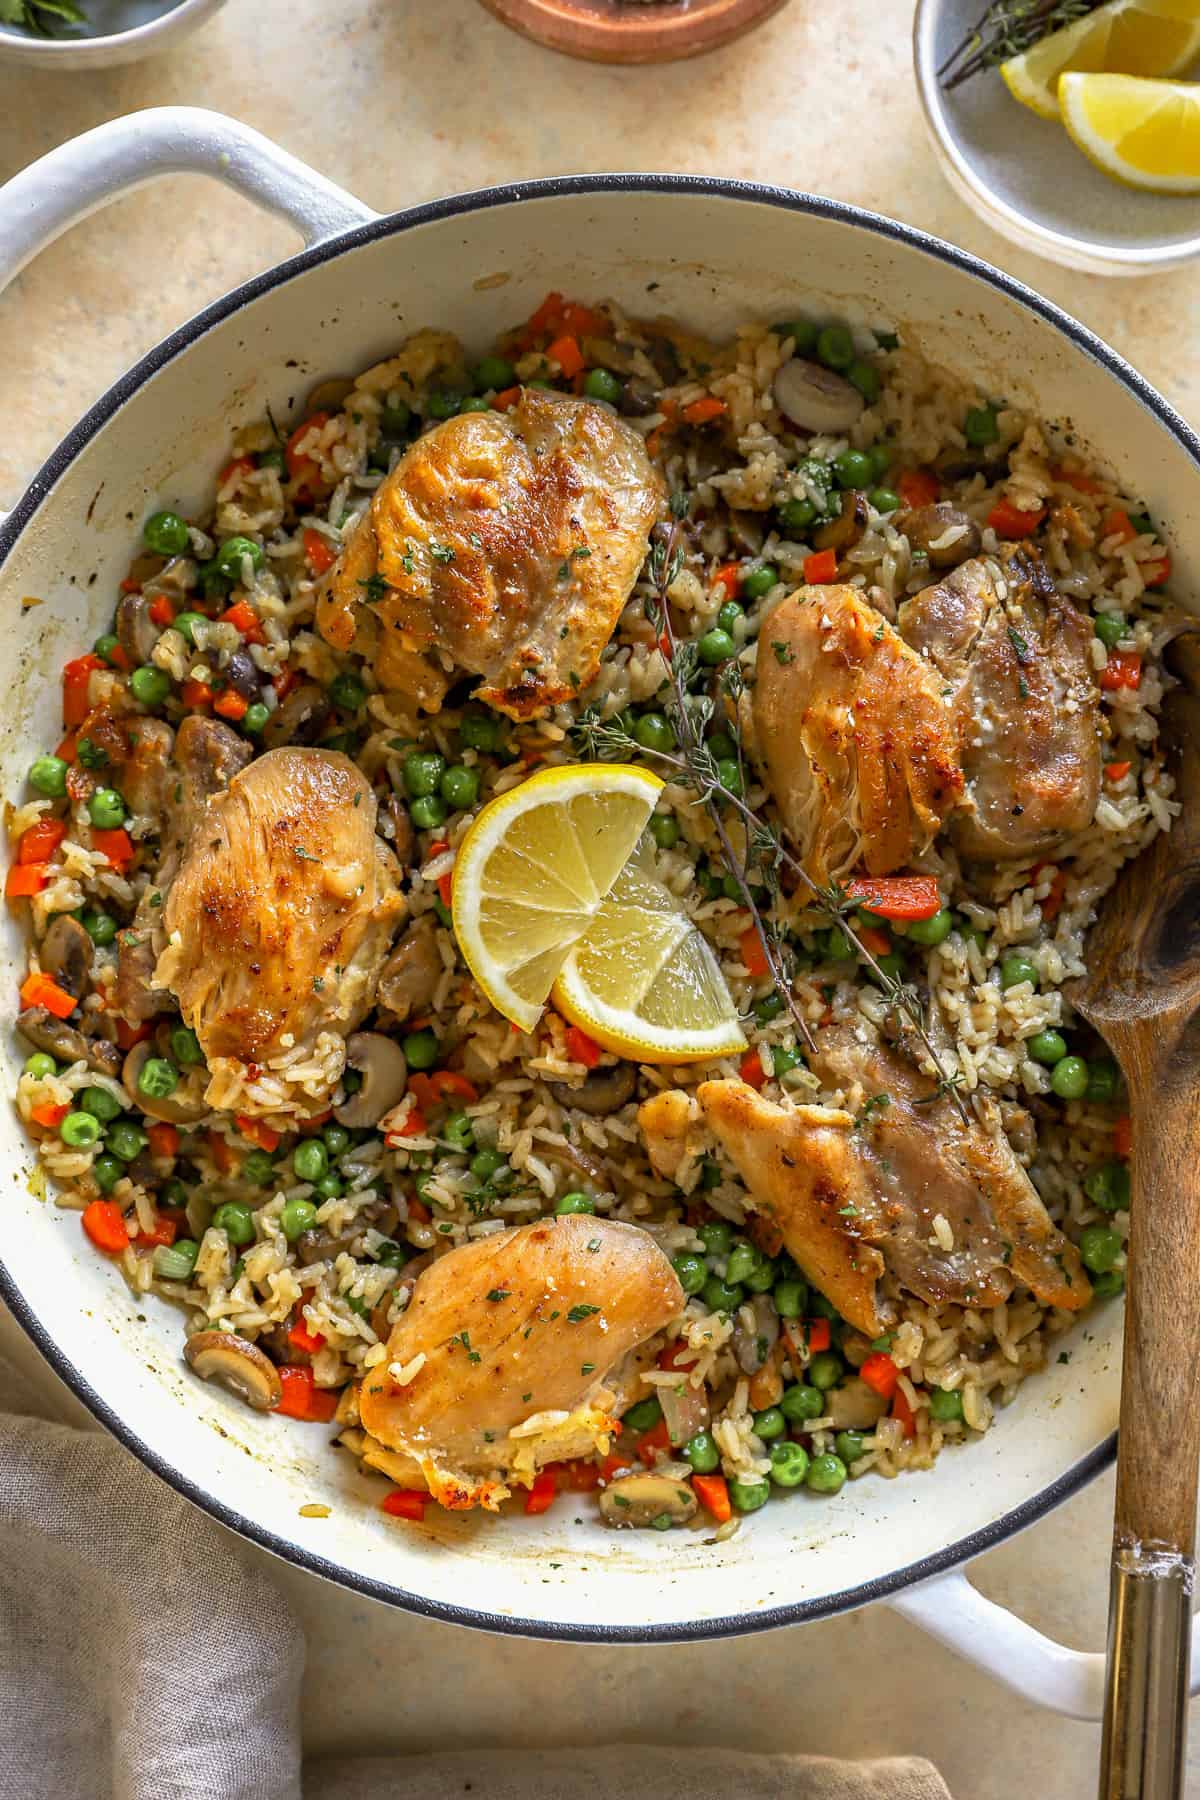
(1122, 1136)
(105, 1225)
(918, 487)
(1117, 524)
(1117, 771)
(415, 1125)
(164, 1140)
(50, 1114)
(751, 1070)
(241, 465)
(1008, 521)
(880, 1373)
(117, 845)
(162, 1231)
(705, 410)
(581, 1048)
(897, 896)
(301, 1338)
(818, 1335)
(242, 616)
(303, 1399)
(820, 567)
(319, 553)
(231, 705)
(197, 696)
(161, 611)
(754, 957)
(654, 1443)
(729, 579)
(1157, 573)
(128, 1035)
(76, 677)
(38, 844)
(566, 353)
(405, 1503)
(265, 1136)
(26, 879)
(1122, 670)
(541, 1495)
(301, 467)
(445, 1082)
(580, 1475)
(505, 399)
(902, 1411)
(1083, 484)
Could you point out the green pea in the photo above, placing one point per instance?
(692, 1272)
(716, 647)
(722, 744)
(166, 534)
(1015, 968)
(826, 1474)
(255, 717)
(351, 1081)
(1099, 1247)
(716, 1235)
(185, 1046)
(1104, 1078)
(799, 1403)
(297, 1217)
(884, 500)
(821, 1308)
(186, 622)
(272, 459)
(758, 580)
(789, 1464)
(600, 384)
(748, 1496)
(474, 403)
(664, 829)
(853, 469)
(770, 1423)
(212, 583)
(980, 427)
(106, 809)
(149, 686)
(337, 1139)
(710, 884)
(945, 1405)
(728, 616)
(420, 1049)
(742, 1260)
(104, 646)
(865, 377)
(761, 1280)
(486, 1163)
(1069, 1079)
(802, 332)
(881, 460)
(702, 1453)
(233, 553)
(79, 1130)
(837, 945)
(460, 787)
(423, 771)
(721, 1296)
(329, 1187)
(347, 692)
(125, 1140)
(101, 927)
(1110, 628)
(496, 372)
(173, 1193)
(310, 1160)
(1046, 1047)
(1108, 1284)
(891, 967)
(575, 1203)
(790, 1298)
(458, 1131)
(48, 777)
(39, 1065)
(257, 1168)
(428, 812)
(106, 1172)
(972, 934)
(442, 404)
(931, 931)
(644, 1416)
(158, 1078)
(236, 1220)
(391, 1255)
(478, 731)
(797, 515)
(395, 419)
(835, 347)
(653, 732)
(849, 1446)
(729, 775)
(1108, 1187)
(825, 1370)
(101, 1104)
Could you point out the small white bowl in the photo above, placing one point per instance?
(125, 32)
(1027, 180)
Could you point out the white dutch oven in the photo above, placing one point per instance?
(713, 253)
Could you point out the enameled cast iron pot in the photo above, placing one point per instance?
(713, 253)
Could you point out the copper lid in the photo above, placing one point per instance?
(633, 31)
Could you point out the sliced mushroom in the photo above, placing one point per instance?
(243, 676)
(855, 1407)
(318, 1245)
(604, 1090)
(926, 527)
(380, 1062)
(381, 1319)
(404, 838)
(638, 397)
(58, 1039)
(179, 1108)
(137, 633)
(66, 953)
(640, 1500)
(240, 1366)
(409, 978)
(844, 532)
(816, 399)
(300, 720)
(753, 1347)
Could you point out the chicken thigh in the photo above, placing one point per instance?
(503, 544)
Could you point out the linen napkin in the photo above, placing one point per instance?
(145, 1654)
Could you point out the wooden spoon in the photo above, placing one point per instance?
(1142, 993)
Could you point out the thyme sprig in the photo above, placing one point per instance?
(1006, 29)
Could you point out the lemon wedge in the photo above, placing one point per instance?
(1143, 133)
(643, 981)
(533, 870)
(1126, 37)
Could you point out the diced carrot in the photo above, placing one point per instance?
(117, 845)
(1083, 484)
(414, 1126)
(105, 1225)
(76, 676)
(754, 957)
(128, 1035)
(541, 1495)
(301, 467)
(654, 441)
(580, 1475)
(1117, 771)
(903, 1412)
(405, 1503)
(162, 1231)
(129, 586)
(445, 888)
(873, 939)
(897, 896)
(50, 1114)
(1122, 1137)
(302, 1399)
(712, 1491)
(26, 879)
(1052, 905)
(817, 1334)
(161, 610)
(221, 1152)
(230, 705)
(449, 1081)
(584, 321)
(506, 398)
(615, 1463)
(705, 410)
(1117, 524)
(422, 1090)
(68, 750)
(751, 1070)
(880, 1373)
(40, 990)
(242, 616)
(675, 1356)
(1157, 574)
(418, 1210)
(265, 1136)
(548, 316)
(164, 1139)
(301, 1338)
(1008, 521)
(820, 567)
(654, 1443)
(196, 695)
(581, 1048)
(241, 465)
(319, 553)
(566, 353)
(918, 487)
(1122, 670)
(729, 579)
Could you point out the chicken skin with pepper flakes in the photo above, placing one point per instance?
(503, 545)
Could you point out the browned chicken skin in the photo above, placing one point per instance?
(857, 1193)
(282, 910)
(502, 544)
(1026, 705)
(858, 747)
(525, 1322)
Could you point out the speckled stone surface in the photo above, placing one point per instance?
(405, 100)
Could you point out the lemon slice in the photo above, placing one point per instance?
(1143, 133)
(643, 981)
(1126, 37)
(531, 874)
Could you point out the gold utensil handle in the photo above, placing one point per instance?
(1149, 1632)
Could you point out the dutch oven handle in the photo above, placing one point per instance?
(1046, 1673)
(81, 176)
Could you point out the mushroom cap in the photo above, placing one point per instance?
(180, 1108)
(384, 1070)
(237, 1364)
(633, 1500)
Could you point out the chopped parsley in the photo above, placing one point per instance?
(441, 553)
(1018, 643)
(783, 652)
(497, 1294)
(464, 1338)
(579, 1313)
(375, 587)
(877, 1103)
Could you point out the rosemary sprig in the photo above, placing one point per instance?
(1006, 29)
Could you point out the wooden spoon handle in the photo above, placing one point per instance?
(1155, 1527)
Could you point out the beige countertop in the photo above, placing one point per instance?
(402, 101)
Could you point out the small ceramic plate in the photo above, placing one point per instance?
(117, 31)
(1025, 177)
(633, 31)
